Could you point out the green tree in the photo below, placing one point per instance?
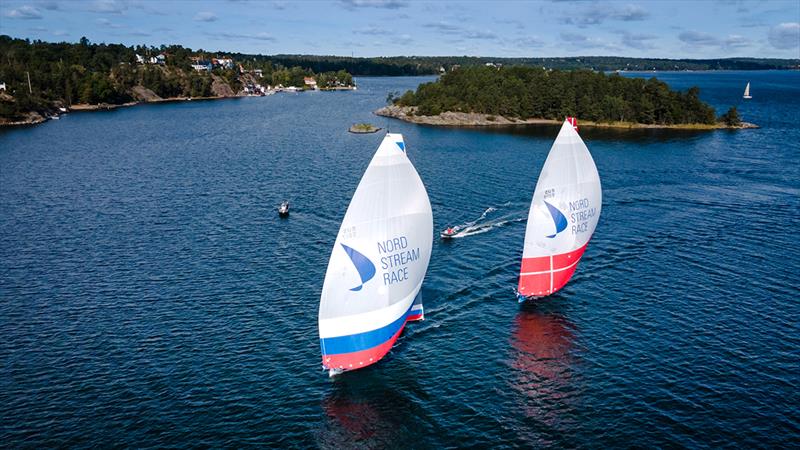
(731, 118)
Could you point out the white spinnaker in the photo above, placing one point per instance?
(389, 221)
(569, 181)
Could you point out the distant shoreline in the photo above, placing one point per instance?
(35, 118)
(461, 119)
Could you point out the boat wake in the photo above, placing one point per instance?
(485, 223)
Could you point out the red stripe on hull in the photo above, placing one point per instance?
(552, 274)
(357, 360)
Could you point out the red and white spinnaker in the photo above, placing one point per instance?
(563, 215)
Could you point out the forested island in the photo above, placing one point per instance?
(513, 95)
(40, 79)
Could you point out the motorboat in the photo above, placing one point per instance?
(449, 232)
(283, 210)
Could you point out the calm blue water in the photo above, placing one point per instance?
(150, 296)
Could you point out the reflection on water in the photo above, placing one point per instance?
(547, 131)
(368, 410)
(541, 355)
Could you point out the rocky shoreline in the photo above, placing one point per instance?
(142, 96)
(461, 119)
(35, 118)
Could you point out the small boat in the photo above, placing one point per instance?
(747, 91)
(283, 210)
(377, 264)
(449, 232)
(562, 218)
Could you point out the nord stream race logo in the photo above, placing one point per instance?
(559, 219)
(365, 268)
(396, 255)
(580, 211)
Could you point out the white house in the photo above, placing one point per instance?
(2, 86)
(224, 62)
(139, 59)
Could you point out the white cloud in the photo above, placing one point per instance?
(245, 36)
(205, 16)
(479, 34)
(49, 5)
(403, 39)
(462, 32)
(638, 41)
(599, 13)
(698, 38)
(785, 36)
(385, 4)
(107, 23)
(108, 6)
(530, 41)
(443, 26)
(581, 41)
(25, 12)
(735, 41)
(371, 30)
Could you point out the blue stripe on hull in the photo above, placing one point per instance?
(362, 341)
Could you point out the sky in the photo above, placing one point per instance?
(661, 29)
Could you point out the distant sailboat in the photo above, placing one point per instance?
(563, 215)
(747, 91)
(372, 285)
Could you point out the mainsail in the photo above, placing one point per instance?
(747, 91)
(563, 215)
(372, 285)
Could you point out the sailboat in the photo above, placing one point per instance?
(747, 91)
(563, 215)
(375, 272)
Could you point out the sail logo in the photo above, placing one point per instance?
(365, 268)
(581, 213)
(559, 219)
(402, 145)
(396, 256)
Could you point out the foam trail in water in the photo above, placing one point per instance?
(481, 225)
(483, 216)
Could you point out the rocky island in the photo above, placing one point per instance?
(363, 128)
(500, 96)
